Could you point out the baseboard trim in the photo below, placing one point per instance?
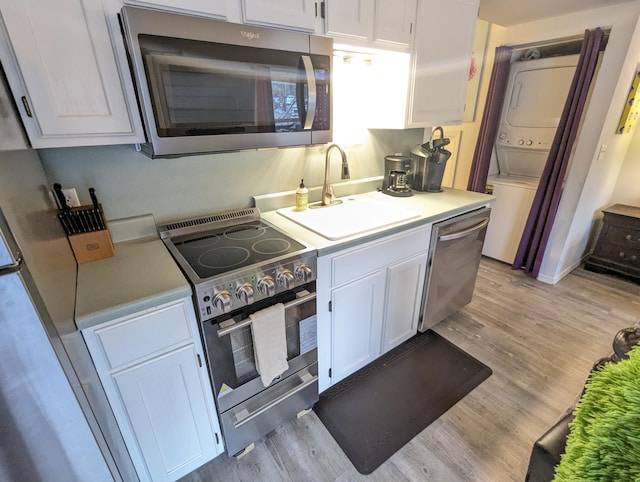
(552, 280)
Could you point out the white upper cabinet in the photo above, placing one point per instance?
(11, 134)
(289, 14)
(70, 86)
(221, 9)
(380, 24)
(441, 60)
(394, 21)
(350, 19)
(421, 79)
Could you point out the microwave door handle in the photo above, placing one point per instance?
(311, 82)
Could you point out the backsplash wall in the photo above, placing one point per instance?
(128, 183)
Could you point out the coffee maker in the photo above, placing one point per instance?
(428, 162)
(397, 170)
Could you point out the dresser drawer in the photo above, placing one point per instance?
(617, 250)
(623, 236)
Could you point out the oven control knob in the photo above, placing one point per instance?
(266, 286)
(222, 301)
(303, 273)
(285, 279)
(245, 293)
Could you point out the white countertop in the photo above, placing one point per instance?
(432, 207)
(141, 275)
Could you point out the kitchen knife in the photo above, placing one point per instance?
(68, 217)
(91, 219)
(81, 214)
(65, 216)
(96, 208)
(57, 187)
(65, 223)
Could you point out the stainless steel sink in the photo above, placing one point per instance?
(354, 215)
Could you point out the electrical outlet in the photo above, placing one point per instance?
(71, 196)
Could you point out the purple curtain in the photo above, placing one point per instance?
(545, 204)
(490, 119)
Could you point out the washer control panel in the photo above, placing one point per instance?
(525, 138)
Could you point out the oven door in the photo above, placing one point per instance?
(247, 409)
(229, 346)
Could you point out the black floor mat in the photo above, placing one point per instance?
(375, 411)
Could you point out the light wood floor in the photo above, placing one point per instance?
(540, 342)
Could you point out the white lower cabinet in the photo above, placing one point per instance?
(405, 282)
(152, 368)
(357, 309)
(369, 301)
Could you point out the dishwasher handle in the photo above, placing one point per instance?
(464, 233)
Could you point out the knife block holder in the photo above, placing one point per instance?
(91, 245)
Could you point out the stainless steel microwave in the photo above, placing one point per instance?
(208, 86)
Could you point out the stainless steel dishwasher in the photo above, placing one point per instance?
(454, 257)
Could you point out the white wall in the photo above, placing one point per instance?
(590, 182)
(129, 183)
(469, 130)
(627, 187)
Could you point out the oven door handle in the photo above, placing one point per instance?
(306, 379)
(247, 321)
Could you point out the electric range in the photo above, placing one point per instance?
(234, 259)
(239, 264)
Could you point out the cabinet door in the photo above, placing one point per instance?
(165, 402)
(213, 8)
(441, 61)
(11, 133)
(357, 309)
(350, 19)
(394, 21)
(405, 283)
(293, 14)
(61, 63)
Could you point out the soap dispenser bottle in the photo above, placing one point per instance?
(302, 197)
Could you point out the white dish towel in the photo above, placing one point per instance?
(269, 342)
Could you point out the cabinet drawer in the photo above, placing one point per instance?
(622, 236)
(137, 337)
(361, 261)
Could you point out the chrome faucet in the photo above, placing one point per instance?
(328, 197)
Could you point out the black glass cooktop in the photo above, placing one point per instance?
(212, 253)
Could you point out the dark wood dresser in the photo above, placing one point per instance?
(618, 247)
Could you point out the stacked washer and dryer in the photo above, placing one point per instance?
(535, 96)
